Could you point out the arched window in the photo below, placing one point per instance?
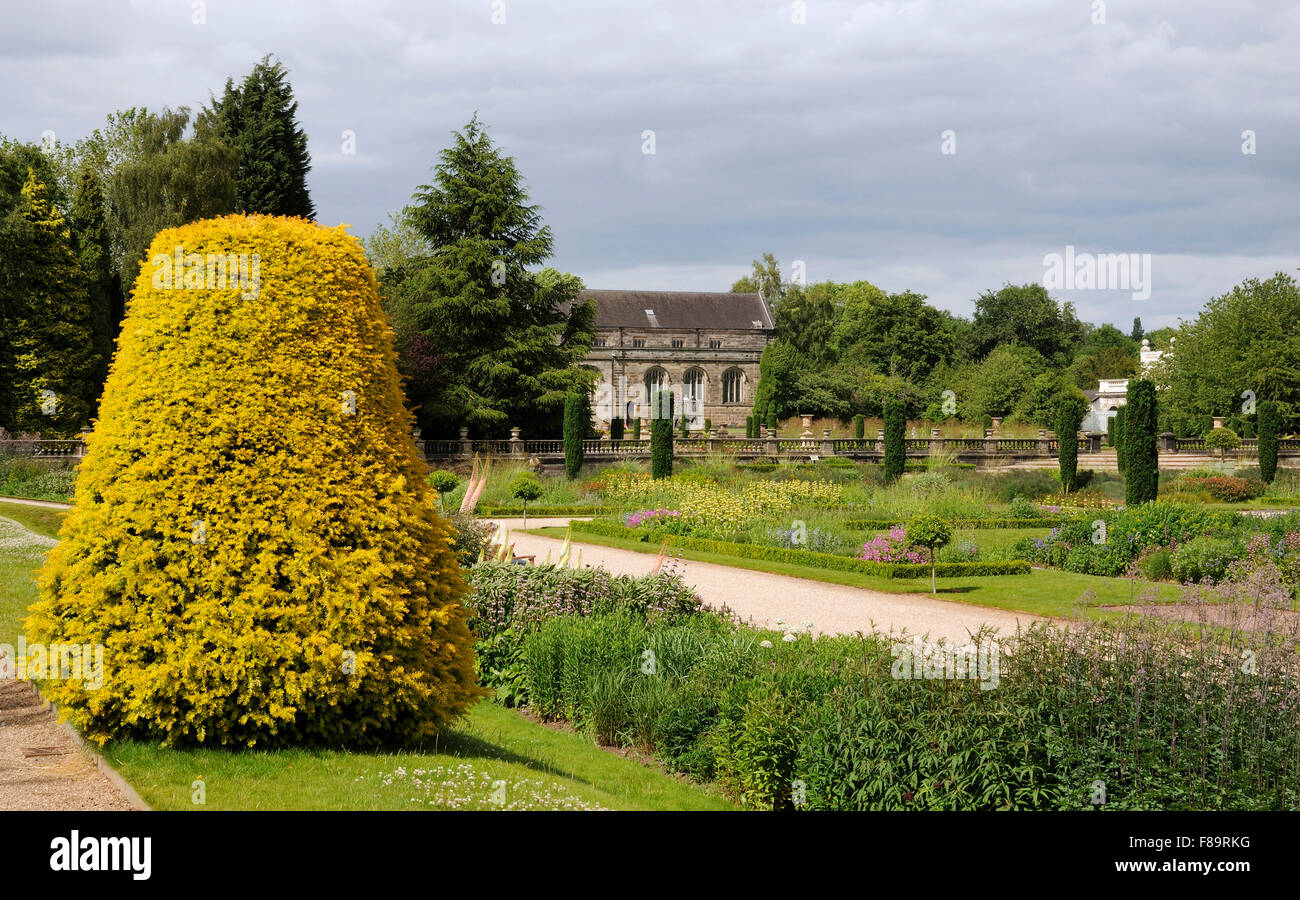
(656, 380)
(693, 390)
(733, 382)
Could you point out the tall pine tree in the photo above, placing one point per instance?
(507, 342)
(55, 363)
(260, 119)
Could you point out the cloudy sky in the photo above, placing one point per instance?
(819, 140)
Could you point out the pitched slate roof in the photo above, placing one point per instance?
(682, 310)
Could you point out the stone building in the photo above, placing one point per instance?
(701, 347)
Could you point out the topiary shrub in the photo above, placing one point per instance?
(576, 422)
(254, 543)
(636, 429)
(1070, 413)
(859, 426)
(1222, 439)
(443, 482)
(930, 532)
(661, 441)
(1267, 441)
(895, 439)
(1121, 420)
(1141, 462)
(616, 429)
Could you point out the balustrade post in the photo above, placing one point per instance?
(1044, 443)
(516, 445)
(827, 445)
(466, 445)
(1168, 443)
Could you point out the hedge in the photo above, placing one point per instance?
(1141, 462)
(883, 524)
(1267, 441)
(808, 557)
(895, 439)
(504, 512)
(575, 429)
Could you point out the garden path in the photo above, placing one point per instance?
(764, 598)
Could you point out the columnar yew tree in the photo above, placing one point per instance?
(94, 251)
(253, 541)
(575, 429)
(895, 439)
(661, 436)
(859, 427)
(1070, 412)
(1267, 441)
(1121, 421)
(1141, 460)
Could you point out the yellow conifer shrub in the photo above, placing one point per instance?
(253, 543)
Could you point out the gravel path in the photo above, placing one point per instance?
(764, 598)
(41, 766)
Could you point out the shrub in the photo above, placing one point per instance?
(1121, 422)
(1228, 489)
(636, 429)
(470, 538)
(1157, 565)
(576, 423)
(1204, 557)
(859, 427)
(1024, 508)
(1141, 462)
(895, 439)
(1070, 413)
(616, 429)
(254, 541)
(443, 482)
(1222, 439)
(929, 532)
(661, 442)
(1267, 441)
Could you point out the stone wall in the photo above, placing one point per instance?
(623, 367)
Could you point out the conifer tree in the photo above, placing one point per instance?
(54, 360)
(259, 118)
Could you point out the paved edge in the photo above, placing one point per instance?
(114, 777)
(49, 504)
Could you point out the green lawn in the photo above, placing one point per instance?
(1043, 592)
(542, 768)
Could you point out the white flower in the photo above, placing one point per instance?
(790, 636)
(766, 645)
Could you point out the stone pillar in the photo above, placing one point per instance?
(83, 431)
(516, 445)
(807, 426)
(880, 440)
(1044, 445)
(770, 446)
(1094, 441)
(827, 445)
(1167, 442)
(990, 442)
(466, 445)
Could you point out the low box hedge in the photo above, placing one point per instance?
(885, 524)
(808, 557)
(505, 512)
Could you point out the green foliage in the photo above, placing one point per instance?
(1242, 340)
(1222, 439)
(806, 557)
(859, 427)
(577, 419)
(1024, 315)
(1204, 557)
(1071, 411)
(1141, 462)
(661, 439)
(636, 429)
(1121, 422)
(895, 440)
(1267, 441)
(90, 237)
(259, 119)
(53, 367)
(492, 342)
(443, 482)
(525, 486)
(616, 429)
